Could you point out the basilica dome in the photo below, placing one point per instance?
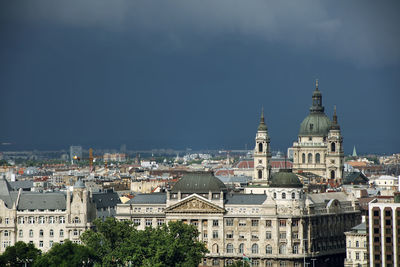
(315, 124)
(199, 182)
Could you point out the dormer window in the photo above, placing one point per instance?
(311, 126)
(215, 196)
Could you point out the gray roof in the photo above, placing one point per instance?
(245, 199)
(361, 227)
(322, 197)
(199, 182)
(42, 201)
(6, 193)
(106, 199)
(21, 184)
(153, 198)
(234, 179)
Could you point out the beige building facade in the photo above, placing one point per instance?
(356, 247)
(318, 153)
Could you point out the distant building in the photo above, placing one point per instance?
(75, 151)
(356, 247)
(383, 233)
(318, 152)
(117, 157)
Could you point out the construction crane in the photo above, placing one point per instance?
(91, 160)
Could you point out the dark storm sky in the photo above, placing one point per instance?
(177, 74)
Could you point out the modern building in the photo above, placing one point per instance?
(46, 218)
(318, 152)
(284, 227)
(383, 233)
(75, 152)
(356, 247)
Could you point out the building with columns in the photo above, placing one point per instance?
(318, 153)
(283, 227)
(46, 218)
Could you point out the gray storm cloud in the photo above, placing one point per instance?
(366, 33)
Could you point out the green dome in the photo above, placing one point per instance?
(199, 182)
(285, 178)
(315, 124)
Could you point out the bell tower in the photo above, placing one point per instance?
(335, 154)
(262, 154)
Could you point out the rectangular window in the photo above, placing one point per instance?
(268, 235)
(31, 220)
(51, 220)
(241, 235)
(295, 222)
(268, 223)
(160, 222)
(254, 235)
(149, 222)
(215, 222)
(229, 234)
(21, 220)
(62, 219)
(20, 233)
(41, 220)
(254, 222)
(295, 235)
(215, 234)
(205, 234)
(229, 222)
(136, 221)
(357, 256)
(51, 243)
(282, 235)
(40, 244)
(7, 220)
(282, 223)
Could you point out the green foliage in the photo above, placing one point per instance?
(118, 243)
(239, 263)
(67, 254)
(19, 254)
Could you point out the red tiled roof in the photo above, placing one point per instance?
(245, 164)
(223, 173)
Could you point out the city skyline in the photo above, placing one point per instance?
(196, 76)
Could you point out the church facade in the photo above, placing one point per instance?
(318, 152)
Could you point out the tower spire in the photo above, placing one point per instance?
(316, 84)
(335, 125)
(262, 126)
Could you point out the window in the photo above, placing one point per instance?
(40, 233)
(241, 248)
(61, 233)
(283, 195)
(229, 222)
(160, 222)
(357, 244)
(303, 158)
(229, 248)
(40, 244)
(357, 255)
(268, 249)
(268, 223)
(260, 147)
(51, 220)
(259, 174)
(275, 195)
(293, 195)
(215, 248)
(20, 233)
(76, 220)
(136, 221)
(254, 235)
(51, 233)
(215, 262)
(149, 222)
(282, 249)
(295, 249)
(282, 223)
(215, 234)
(332, 174)
(254, 249)
(6, 233)
(254, 222)
(268, 235)
(21, 220)
(229, 234)
(295, 235)
(241, 235)
(282, 264)
(242, 223)
(30, 233)
(376, 213)
(215, 222)
(62, 219)
(282, 235)
(269, 263)
(309, 158)
(333, 147)
(51, 243)
(31, 220)
(41, 220)
(317, 158)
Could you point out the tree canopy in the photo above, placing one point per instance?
(19, 254)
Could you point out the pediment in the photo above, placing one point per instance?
(194, 204)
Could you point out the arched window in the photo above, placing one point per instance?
(295, 249)
(215, 248)
(259, 174)
(254, 249)
(40, 232)
(268, 249)
(61, 233)
(303, 158)
(20, 233)
(293, 195)
(6, 233)
(229, 248)
(51, 233)
(357, 244)
(76, 220)
(333, 147)
(282, 249)
(283, 195)
(30, 233)
(241, 248)
(309, 158)
(260, 147)
(332, 174)
(317, 158)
